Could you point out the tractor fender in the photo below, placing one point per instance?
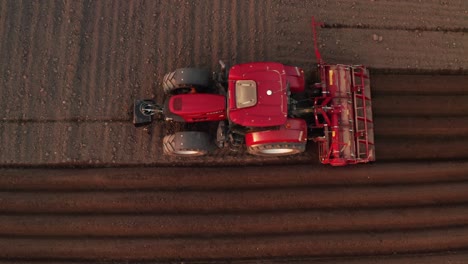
(294, 131)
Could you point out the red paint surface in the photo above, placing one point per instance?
(294, 131)
(270, 110)
(295, 78)
(198, 107)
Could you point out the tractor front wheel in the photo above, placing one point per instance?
(277, 149)
(187, 144)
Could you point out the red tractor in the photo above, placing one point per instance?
(267, 108)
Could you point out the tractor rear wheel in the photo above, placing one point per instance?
(184, 79)
(277, 149)
(187, 144)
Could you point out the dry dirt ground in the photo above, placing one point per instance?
(69, 71)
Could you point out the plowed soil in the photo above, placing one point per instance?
(70, 70)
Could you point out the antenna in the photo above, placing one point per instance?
(317, 52)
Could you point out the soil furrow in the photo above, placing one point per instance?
(413, 106)
(443, 127)
(233, 224)
(410, 85)
(452, 257)
(410, 148)
(233, 201)
(321, 245)
(206, 178)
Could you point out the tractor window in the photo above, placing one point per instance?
(246, 93)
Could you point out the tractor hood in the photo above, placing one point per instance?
(258, 94)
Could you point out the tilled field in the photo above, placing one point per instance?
(70, 70)
(236, 213)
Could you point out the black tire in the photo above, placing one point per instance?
(184, 79)
(277, 149)
(187, 144)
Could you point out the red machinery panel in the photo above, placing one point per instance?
(344, 111)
